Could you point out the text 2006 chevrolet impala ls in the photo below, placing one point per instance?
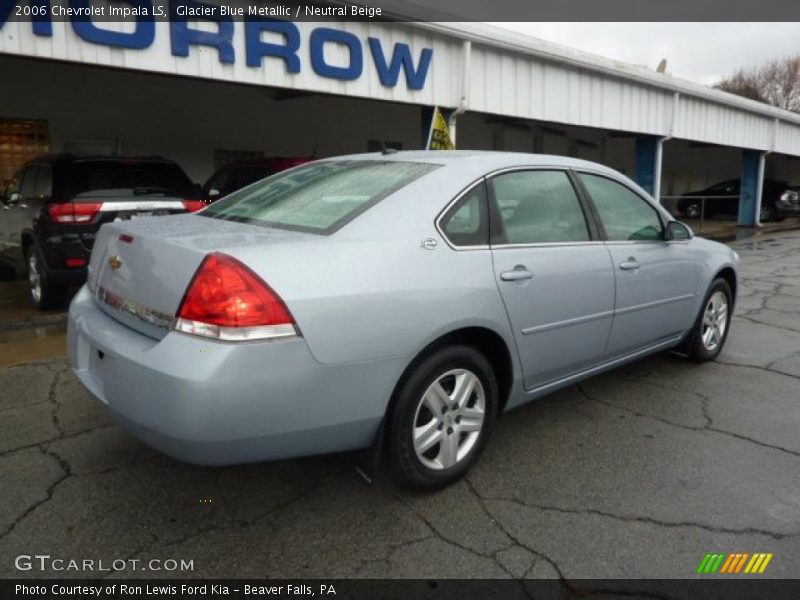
(413, 296)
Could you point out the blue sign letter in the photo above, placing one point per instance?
(141, 37)
(255, 48)
(322, 35)
(388, 73)
(182, 37)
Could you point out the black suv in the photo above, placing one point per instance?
(54, 205)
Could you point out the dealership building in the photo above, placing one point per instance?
(206, 91)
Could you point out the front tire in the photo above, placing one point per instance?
(711, 328)
(692, 210)
(767, 213)
(442, 417)
(44, 295)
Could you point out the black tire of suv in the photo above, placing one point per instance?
(768, 213)
(407, 467)
(694, 346)
(52, 296)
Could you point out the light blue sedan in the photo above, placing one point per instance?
(396, 301)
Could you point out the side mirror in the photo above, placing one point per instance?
(677, 231)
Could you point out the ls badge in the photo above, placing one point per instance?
(115, 262)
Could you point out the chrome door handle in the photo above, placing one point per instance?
(629, 265)
(519, 273)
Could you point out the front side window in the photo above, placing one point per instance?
(626, 216)
(466, 223)
(538, 207)
(319, 197)
(13, 185)
(44, 183)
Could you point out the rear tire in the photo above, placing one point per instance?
(44, 295)
(767, 213)
(710, 330)
(442, 416)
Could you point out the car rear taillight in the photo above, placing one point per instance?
(227, 301)
(74, 212)
(193, 205)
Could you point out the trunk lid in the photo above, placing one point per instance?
(140, 269)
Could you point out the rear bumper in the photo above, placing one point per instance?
(214, 403)
(66, 278)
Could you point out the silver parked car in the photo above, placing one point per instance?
(398, 301)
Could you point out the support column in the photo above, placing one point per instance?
(752, 184)
(648, 164)
(426, 114)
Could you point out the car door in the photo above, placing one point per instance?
(554, 275)
(655, 279)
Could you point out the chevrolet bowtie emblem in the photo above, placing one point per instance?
(115, 262)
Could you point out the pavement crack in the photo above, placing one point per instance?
(707, 427)
(448, 539)
(482, 504)
(66, 474)
(648, 520)
(51, 397)
(65, 436)
(766, 368)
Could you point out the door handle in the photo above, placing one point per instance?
(629, 265)
(519, 273)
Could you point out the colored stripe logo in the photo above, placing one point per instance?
(734, 563)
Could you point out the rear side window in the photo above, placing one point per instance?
(319, 197)
(538, 207)
(467, 223)
(625, 214)
(129, 178)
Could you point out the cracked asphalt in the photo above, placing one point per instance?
(634, 474)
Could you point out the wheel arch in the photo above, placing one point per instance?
(484, 339)
(27, 241)
(729, 275)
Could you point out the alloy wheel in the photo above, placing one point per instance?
(692, 211)
(449, 419)
(715, 321)
(34, 278)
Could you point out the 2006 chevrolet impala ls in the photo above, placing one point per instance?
(409, 297)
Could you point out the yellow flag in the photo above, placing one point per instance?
(439, 135)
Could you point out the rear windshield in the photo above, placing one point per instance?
(130, 177)
(319, 197)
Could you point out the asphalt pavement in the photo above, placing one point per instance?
(636, 473)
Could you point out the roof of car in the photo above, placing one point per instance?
(487, 157)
